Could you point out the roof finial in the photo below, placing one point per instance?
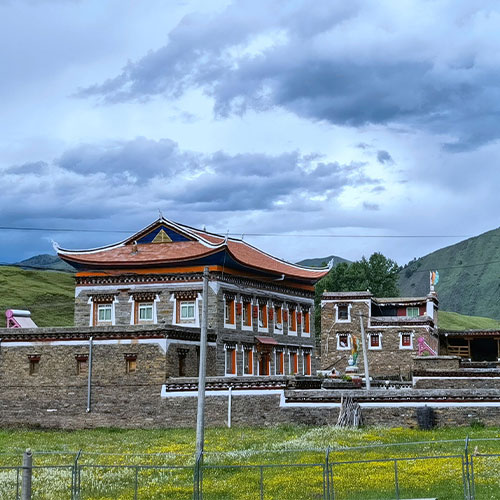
(160, 215)
(227, 236)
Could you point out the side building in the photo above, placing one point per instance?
(396, 329)
(260, 308)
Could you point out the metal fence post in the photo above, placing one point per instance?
(467, 472)
(136, 489)
(75, 489)
(17, 483)
(396, 480)
(472, 481)
(27, 471)
(261, 483)
(326, 478)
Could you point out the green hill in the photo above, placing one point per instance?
(46, 261)
(321, 261)
(454, 321)
(49, 295)
(469, 276)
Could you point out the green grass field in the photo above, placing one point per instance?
(454, 321)
(49, 295)
(299, 452)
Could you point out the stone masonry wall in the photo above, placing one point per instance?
(388, 361)
(139, 405)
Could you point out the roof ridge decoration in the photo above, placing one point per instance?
(185, 230)
(162, 237)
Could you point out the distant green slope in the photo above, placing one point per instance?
(46, 261)
(469, 276)
(321, 261)
(454, 321)
(49, 295)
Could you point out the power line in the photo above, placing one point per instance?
(294, 235)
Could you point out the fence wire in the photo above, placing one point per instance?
(328, 474)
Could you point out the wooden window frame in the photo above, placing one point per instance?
(307, 364)
(248, 356)
(413, 308)
(279, 361)
(98, 306)
(348, 345)
(229, 307)
(230, 354)
(377, 346)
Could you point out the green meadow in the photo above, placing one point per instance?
(292, 457)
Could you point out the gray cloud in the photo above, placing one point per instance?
(384, 157)
(344, 64)
(371, 206)
(98, 180)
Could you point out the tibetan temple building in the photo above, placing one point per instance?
(260, 308)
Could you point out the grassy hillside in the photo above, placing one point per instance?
(49, 295)
(321, 261)
(454, 321)
(46, 261)
(469, 276)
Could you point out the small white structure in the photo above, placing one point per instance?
(17, 318)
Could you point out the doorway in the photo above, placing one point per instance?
(484, 349)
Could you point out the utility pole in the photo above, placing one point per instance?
(89, 377)
(200, 418)
(365, 354)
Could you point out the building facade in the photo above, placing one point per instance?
(396, 329)
(260, 308)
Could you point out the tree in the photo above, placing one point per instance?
(377, 274)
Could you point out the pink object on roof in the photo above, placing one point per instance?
(17, 318)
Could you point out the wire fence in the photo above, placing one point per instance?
(328, 474)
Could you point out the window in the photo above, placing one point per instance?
(292, 320)
(264, 363)
(307, 363)
(145, 311)
(405, 340)
(130, 363)
(81, 364)
(34, 360)
(306, 324)
(246, 318)
(279, 362)
(343, 341)
(294, 363)
(262, 316)
(412, 312)
(343, 311)
(230, 360)
(375, 341)
(247, 360)
(182, 354)
(187, 310)
(104, 313)
(278, 318)
(229, 316)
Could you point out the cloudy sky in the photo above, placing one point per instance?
(296, 118)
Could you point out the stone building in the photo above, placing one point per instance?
(396, 329)
(259, 307)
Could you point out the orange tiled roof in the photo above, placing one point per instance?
(153, 253)
(201, 244)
